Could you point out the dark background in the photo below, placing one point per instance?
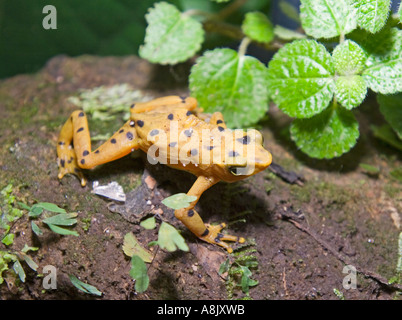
(99, 27)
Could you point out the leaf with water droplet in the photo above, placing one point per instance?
(371, 14)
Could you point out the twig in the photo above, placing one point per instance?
(367, 273)
(288, 176)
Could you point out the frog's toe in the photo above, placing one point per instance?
(68, 165)
(215, 236)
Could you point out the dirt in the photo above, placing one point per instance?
(349, 215)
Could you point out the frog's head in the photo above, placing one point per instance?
(247, 157)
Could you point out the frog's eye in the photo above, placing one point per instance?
(237, 171)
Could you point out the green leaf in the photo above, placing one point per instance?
(50, 207)
(139, 273)
(400, 11)
(36, 229)
(287, 34)
(62, 231)
(388, 135)
(372, 170)
(148, 224)
(32, 264)
(246, 281)
(35, 211)
(289, 10)
(383, 71)
(19, 270)
(62, 219)
(84, 287)
(327, 135)
(8, 239)
(170, 239)
(350, 91)
(257, 27)
(24, 206)
(236, 85)
(391, 108)
(301, 78)
(171, 36)
(396, 174)
(132, 247)
(224, 267)
(327, 18)
(372, 14)
(27, 248)
(178, 201)
(349, 58)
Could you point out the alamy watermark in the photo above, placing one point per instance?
(350, 280)
(50, 20)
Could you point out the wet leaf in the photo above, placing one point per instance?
(372, 14)
(84, 287)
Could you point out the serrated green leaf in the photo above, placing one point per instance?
(84, 287)
(383, 71)
(301, 78)
(171, 36)
(349, 58)
(178, 201)
(391, 108)
(139, 273)
(327, 18)
(236, 85)
(257, 27)
(50, 207)
(327, 135)
(36, 229)
(62, 231)
(148, 224)
(62, 219)
(19, 270)
(371, 14)
(350, 91)
(132, 247)
(170, 239)
(287, 34)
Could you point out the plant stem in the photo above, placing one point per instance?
(243, 46)
(229, 9)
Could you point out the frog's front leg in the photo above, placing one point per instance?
(192, 220)
(74, 146)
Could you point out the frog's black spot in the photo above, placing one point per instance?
(190, 213)
(193, 152)
(244, 140)
(220, 235)
(183, 99)
(233, 154)
(140, 123)
(170, 116)
(81, 114)
(219, 121)
(85, 153)
(154, 132)
(62, 162)
(188, 113)
(76, 170)
(217, 239)
(172, 144)
(80, 129)
(209, 147)
(129, 136)
(61, 143)
(97, 151)
(132, 123)
(70, 160)
(82, 161)
(132, 106)
(205, 233)
(188, 133)
(113, 141)
(121, 131)
(221, 128)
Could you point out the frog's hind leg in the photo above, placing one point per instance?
(74, 146)
(188, 103)
(192, 220)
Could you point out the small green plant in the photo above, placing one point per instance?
(240, 270)
(169, 239)
(317, 77)
(56, 223)
(9, 214)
